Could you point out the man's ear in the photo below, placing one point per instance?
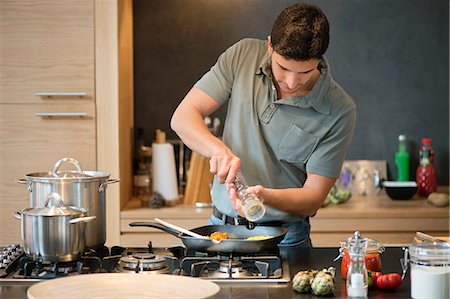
(269, 45)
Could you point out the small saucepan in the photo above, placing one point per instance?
(236, 243)
(55, 232)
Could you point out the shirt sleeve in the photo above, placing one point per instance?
(218, 81)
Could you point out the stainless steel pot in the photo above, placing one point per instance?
(84, 189)
(54, 232)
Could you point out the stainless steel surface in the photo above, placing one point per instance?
(48, 234)
(60, 94)
(85, 189)
(298, 260)
(61, 114)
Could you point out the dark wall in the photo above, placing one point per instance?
(391, 56)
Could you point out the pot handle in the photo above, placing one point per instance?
(81, 219)
(68, 160)
(24, 181)
(107, 182)
(18, 215)
(158, 226)
(54, 200)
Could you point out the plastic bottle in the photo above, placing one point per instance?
(252, 207)
(402, 160)
(426, 176)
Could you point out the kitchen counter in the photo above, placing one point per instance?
(316, 258)
(391, 222)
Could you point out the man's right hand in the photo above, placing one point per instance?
(224, 164)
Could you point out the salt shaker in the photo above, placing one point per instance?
(252, 207)
(357, 286)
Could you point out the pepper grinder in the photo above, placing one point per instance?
(252, 207)
(357, 286)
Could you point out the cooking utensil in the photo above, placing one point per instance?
(54, 232)
(185, 231)
(124, 285)
(425, 237)
(85, 189)
(236, 243)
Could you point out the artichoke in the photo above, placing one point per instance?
(302, 281)
(323, 283)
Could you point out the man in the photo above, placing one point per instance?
(288, 125)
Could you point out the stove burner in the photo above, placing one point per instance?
(230, 266)
(144, 263)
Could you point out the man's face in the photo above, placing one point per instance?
(292, 76)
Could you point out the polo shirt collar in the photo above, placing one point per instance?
(318, 98)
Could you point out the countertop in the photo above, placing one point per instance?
(316, 258)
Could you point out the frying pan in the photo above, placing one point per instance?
(237, 235)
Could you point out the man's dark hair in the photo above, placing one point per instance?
(301, 32)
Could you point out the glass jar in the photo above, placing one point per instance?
(372, 256)
(430, 270)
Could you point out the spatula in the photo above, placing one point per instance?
(185, 231)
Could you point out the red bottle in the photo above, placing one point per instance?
(426, 176)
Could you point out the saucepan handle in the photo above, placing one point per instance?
(107, 182)
(81, 219)
(18, 215)
(25, 181)
(158, 226)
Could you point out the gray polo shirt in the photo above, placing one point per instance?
(278, 141)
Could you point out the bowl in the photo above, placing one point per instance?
(400, 190)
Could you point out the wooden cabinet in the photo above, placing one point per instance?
(47, 46)
(47, 55)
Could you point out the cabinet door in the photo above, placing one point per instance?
(47, 47)
(31, 143)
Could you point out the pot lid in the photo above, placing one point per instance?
(57, 174)
(54, 206)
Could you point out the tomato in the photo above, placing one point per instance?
(372, 260)
(389, 281)
(375, 276)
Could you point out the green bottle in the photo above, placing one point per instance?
(402, 160)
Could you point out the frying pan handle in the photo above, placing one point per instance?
(158, 226)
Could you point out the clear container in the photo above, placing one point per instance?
(372, 256)
(430, 270)
(357, 281)
(252, 207)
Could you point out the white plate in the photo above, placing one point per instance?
(124, 285)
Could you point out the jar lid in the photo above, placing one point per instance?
(372, 245)
(431, 251)
(54, 206)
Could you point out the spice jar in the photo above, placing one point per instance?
(372, 256)
(430, 270)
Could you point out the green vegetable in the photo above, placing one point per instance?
(337, 195)
(302, 281)
(323, 283)
(320, 283)
(369, 278)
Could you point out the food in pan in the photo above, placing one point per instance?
(218, 236)
(259, 238)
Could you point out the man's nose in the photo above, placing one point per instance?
(291, 80)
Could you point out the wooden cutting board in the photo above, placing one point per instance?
(123, 285)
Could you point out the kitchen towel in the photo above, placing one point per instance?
(164, 170)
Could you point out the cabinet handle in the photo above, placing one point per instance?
(60, 94)
(61, 114)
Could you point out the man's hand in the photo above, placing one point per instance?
(258, 190)
(224, 164)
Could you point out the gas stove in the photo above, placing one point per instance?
(266, 267)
